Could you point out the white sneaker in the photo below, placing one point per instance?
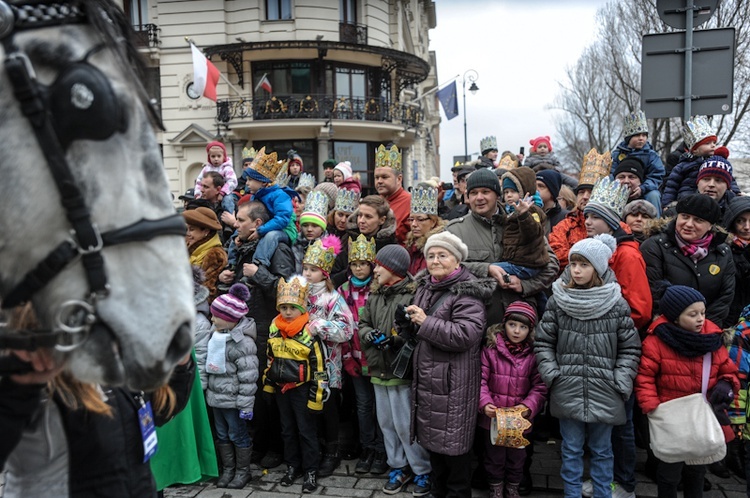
(619, 492)
(587, 488)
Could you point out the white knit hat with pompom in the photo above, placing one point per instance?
(598, 250)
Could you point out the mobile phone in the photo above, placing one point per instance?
(521, 151)
(506, 278)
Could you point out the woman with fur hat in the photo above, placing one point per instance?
(671, 367)
(587, 350)
(204, 245)
(689, 251)
(510, 379)
(424, 221)
(447, 320)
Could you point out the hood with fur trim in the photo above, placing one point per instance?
(524, 178)
(419, 242)
(481, 288)
(387, 230)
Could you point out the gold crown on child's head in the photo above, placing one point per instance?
(388, 158)
(610, 194)
(347, 201)
(267, 164)
(595, 166)
(322, 253)
(361, 249)
(635, 123)
(293, 292)
(424, 200)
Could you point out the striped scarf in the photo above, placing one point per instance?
(697, 249)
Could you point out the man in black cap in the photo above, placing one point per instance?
(328, 166)
(188, 196)
(631, 172)
(548, 184)
(456, 205)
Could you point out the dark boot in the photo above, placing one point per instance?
(735, 458)
(511, 491)
(226, 453)
(330, 461)
(525, 487)
(242, 474)
(496, 490)
(719, 469)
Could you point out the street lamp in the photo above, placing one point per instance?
(472, 76)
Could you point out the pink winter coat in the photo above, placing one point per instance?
(509, 380)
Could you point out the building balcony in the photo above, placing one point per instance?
(318, 107)
(147, 35)
(352, 33)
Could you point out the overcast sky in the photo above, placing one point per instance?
(520, 49)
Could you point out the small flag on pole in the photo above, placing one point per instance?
(205, 74)
(447, 97)
(265, 84)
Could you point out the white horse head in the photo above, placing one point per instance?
(145, 323)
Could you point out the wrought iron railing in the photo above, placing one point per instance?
(350, 32)
(147, 35)
(318, 107)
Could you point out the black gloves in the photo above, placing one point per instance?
(402, 317)
(378, 339)
(721, 393)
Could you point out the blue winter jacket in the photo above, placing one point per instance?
(279, 206)
(653, 168)
(683, 180)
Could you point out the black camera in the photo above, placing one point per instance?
(447, 186)
(506, 278)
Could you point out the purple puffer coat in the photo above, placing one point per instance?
(445, 389)
(509, 380)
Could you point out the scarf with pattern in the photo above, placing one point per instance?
(697, 249)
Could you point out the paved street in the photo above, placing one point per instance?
(344, 482)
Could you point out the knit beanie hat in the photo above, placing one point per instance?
(232, 305)
(508, 183)
(484, 178)
(736, 207)
(676, 298)
(597, 250)
(716, 166)
(345, 168)
(598, 209)
(216, 144)
(538, 140)
(329, 163)
(450, 243)
(639, 206)
(700, 206)
(329, 189)
(630, 165)
(521, 308)
(552, 179)
(394, 258)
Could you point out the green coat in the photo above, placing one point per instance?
(186, 451)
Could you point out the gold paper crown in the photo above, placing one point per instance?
(266, 164)
(507, 427)
(248, 153)
(388, 158)
(424, 200)
(293, 292)
(361, 249)
(610, 194)
(282, 177)
(347, 201)
(695, 130)
(306, 180)
(488, 143)
(507, 162)
(317, 255)
(595, 166)
(635, 123)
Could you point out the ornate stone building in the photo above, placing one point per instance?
(345, 76)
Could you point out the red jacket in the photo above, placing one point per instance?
(665, 374)
(400, 203)
(566, 233)
(630, 271)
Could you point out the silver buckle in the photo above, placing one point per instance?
(73, 321)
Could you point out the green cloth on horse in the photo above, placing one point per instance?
(186, 452)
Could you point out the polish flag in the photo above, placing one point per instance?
(265, 84)
(205, 75)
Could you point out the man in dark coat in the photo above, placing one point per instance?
(262, 281)
(548, 184)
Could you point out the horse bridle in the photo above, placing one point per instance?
(84, 87)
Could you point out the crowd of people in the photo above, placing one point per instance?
(434, 335)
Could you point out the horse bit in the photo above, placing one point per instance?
(79, 105)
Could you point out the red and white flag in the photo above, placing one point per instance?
(265, 84)
(205, 75)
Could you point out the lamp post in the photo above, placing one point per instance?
(472, 76)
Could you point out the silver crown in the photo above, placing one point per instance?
(306, 180)
(488, 143)
(696, 129)
(424, 200)
(316, 204)
(347, 201)
(610, 194)
(635, 123)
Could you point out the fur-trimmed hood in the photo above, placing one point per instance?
(481, 288)
(419, 242)
(523, 178)
(667, 226)
(408, 285)
(387, 230)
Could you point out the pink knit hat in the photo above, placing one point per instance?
(538, 140)
(346, 169)
(521, 308)
(231, 306)
(216, 144)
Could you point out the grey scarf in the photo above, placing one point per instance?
(586, 304)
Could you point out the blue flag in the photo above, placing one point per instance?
(447, 97)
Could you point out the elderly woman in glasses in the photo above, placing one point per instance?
(423, 221)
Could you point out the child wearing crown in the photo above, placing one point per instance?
(700, 140)
(280, 228)
(312, 226)
(355, 292)
(296, 376)
(331, 320)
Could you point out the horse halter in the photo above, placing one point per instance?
(79, 105)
